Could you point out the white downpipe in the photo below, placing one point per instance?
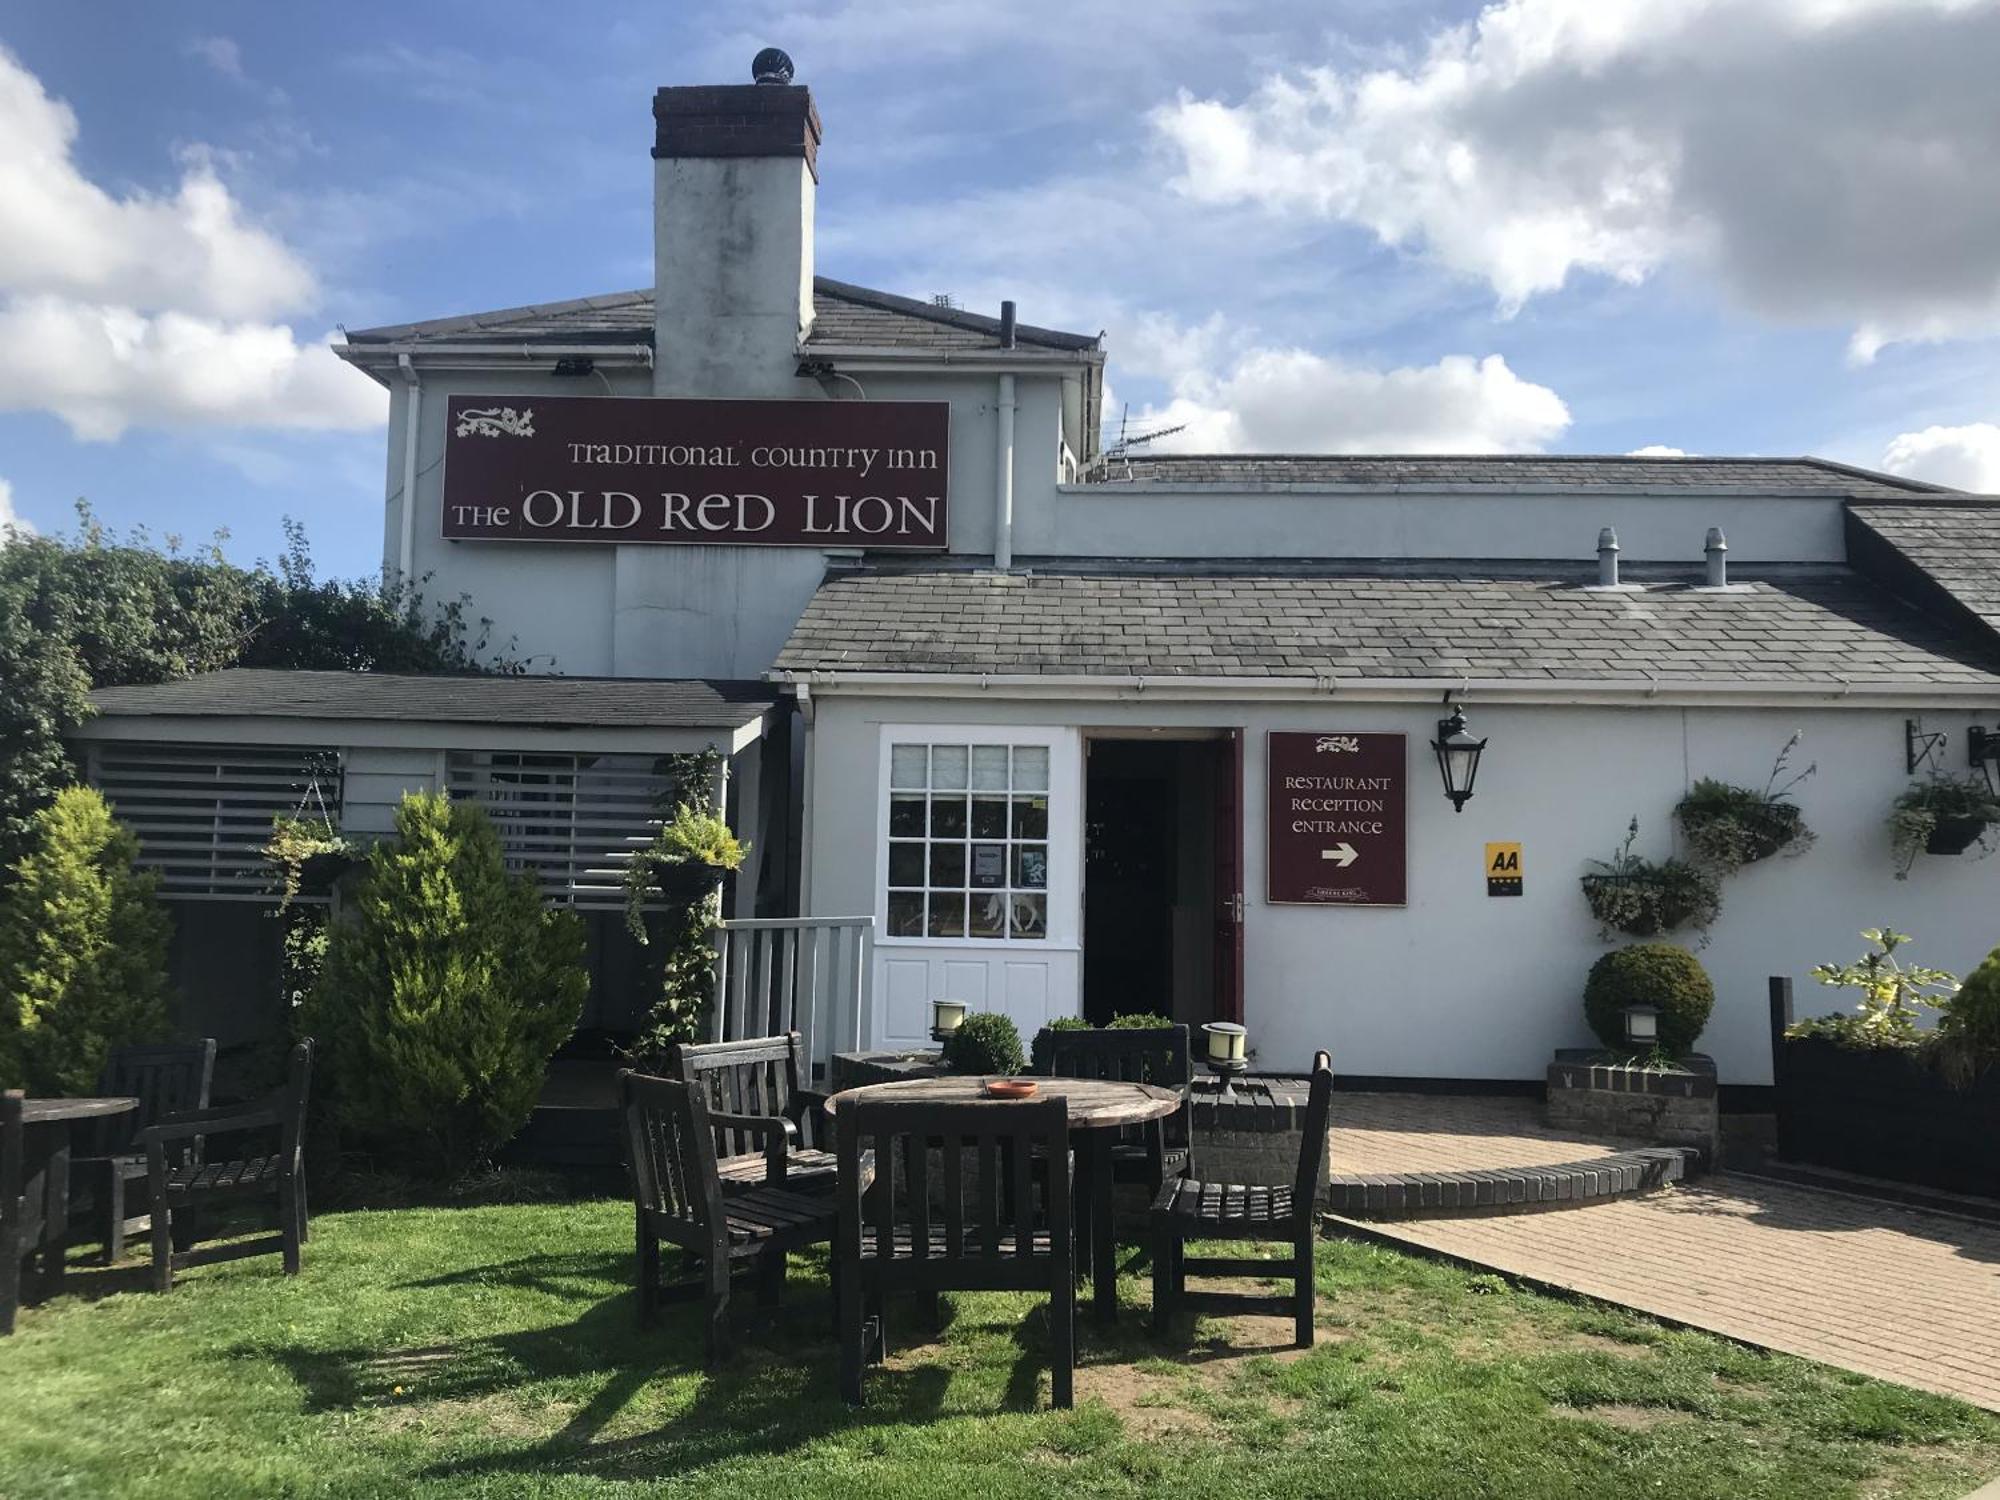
(1003, 481)
(413, 408)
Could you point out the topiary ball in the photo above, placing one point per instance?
(985, 1043)
(1658, 974)
(1141, 1020)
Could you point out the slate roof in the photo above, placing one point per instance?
(844, 315)
(606, 702)
(1956, 546)
(1555, 472)
(1786, 624)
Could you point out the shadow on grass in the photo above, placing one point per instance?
(776, 1393)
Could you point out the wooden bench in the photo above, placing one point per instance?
(166, 1080)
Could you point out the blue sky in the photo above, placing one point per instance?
(1756, 226)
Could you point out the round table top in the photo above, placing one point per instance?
(1094, 1103)
(54, 1111)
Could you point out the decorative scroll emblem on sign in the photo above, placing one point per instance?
(496, 421)
(1340, 744)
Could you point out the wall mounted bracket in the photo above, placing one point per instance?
(1921, 747)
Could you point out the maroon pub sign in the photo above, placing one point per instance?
(1336, 821)
(657, 469)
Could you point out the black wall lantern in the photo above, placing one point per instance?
(1458, 758)
(1984, 753)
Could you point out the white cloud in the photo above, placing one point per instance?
(129, 310)
(1657, 450)
(1294, 401)
(102, 369)
(219, 52)
(10, 516)
(61, 233)
(1964, 458)
(1829, 160)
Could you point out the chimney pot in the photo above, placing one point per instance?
(1006, 325)
(1607, 559)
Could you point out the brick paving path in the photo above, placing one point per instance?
(1907, 1295)
(1899, 1293)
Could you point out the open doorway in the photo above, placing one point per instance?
(1162, 848)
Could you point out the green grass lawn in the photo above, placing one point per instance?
(495, 1351)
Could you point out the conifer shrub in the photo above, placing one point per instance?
(83, 949)
(1670, 979)
(1968, 1037)
(446, 989)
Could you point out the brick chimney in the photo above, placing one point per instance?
(735, 168)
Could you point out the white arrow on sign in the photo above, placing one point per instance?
(1341, 854)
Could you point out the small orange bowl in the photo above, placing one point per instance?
(1010, 1088)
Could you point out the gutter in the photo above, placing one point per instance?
(959, 362)
(1693, 692)
(376, 358)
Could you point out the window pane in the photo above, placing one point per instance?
(906, 864)
(989, 817)
(989, 917)
(906, 817)
(948, 914)
(989, 768)
(948, 817)
(1031, 817)
(1030, 916)
(989, 866)
(1031, 866)
(906, 764)
(948, 767)
(948, 864)
(1031, 768)
(906, 914)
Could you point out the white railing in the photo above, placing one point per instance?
(803, 974)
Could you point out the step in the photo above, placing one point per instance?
(1500, 1190)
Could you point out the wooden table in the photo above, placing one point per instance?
(46, 1142)
(1098, 1110)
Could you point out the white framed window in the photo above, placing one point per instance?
(974, 836)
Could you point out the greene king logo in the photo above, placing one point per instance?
(1339, 744)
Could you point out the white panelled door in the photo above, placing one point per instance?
(978, 876)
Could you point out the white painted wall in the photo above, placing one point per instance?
(1459, 984)
(374, 780)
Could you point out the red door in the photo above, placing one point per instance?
(1229, 878)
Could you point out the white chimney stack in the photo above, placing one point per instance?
(735, 169)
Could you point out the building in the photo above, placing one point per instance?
(1020, 701)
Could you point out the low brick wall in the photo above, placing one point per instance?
(1252, 1133)
(853, 1070)
(1600, 1093)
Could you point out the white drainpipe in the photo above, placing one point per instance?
(412, 411)
(1003, 481)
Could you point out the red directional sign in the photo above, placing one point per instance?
(1336, 819)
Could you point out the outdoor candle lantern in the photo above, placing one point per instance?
(1642, 1025)
(946, 1017)
(1228, 1050)
(1984, 753)
(1458, 758)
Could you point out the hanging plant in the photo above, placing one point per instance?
(307, 856)
(1945, 815)
(673, 892)
(1637, 896)
(1730, 826)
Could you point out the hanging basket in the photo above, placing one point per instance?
(1654, 901)
(1955, 835)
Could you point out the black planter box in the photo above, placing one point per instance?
(1886, 1114)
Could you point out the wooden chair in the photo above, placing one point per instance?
(677, 1197)
(203, 1178)
(1159, 1149)
(907, 1240)
(1189, 1210)
(166, 1080)
(18, 1222)
(759, 1076)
